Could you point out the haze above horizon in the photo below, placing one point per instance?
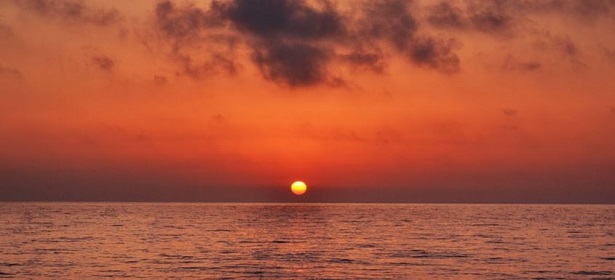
(364, 101)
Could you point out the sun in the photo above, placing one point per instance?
(298, 187)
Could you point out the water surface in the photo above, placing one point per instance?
(306, 241)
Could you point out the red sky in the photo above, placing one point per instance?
(423, 101)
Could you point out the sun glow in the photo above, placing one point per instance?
(298, 187)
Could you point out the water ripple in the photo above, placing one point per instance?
(305, 241)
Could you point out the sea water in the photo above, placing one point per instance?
(306, 241)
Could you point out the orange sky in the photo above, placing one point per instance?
(475, 101)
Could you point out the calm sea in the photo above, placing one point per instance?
(306, 241)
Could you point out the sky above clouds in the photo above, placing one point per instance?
(405, 101)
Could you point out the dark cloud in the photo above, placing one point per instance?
(103, 62)
(435, 53)
(283, 19)
(10, 72)
(296, 64)
(71, 11)
(287, 37)
(294, 42)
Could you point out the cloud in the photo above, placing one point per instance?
(497, 17)
(446, 15)
(184, 22)
(510, 127)
(513, 64)
(294, 42)
(566, 45)
(345, 136)
(365, 60)
(609, 54)
(160, 80)
(103, 62)
(70, 11)
(530, 66)
(590, 10)
(282, 19)
(10, 72)
(299, 43)
(391, 22)
(509, 112)
(214, 63)
(387, 135)
(493, 17)
(561, 44)
(508, 20)
(296, 64)
(141, 137)
(218, 118)
(6, 30)
(383, 135)
(560, 48)
(435, 53)
(190, 29)
(287, 37)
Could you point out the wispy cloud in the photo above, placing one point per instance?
(509, 112)
(10, 72)
(190, 29)
(71, 11)
(103, 62)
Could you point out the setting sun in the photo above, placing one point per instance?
(298, 187)
(176, 126)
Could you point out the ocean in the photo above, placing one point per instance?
(306, 241)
